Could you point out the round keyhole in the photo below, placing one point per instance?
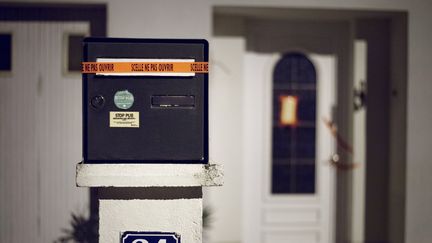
(98, 102)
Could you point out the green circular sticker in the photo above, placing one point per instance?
(123, 99)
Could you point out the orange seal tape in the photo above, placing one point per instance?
(144, 67)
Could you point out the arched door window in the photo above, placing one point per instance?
(294, 120)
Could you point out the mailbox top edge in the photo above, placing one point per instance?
(145, 40)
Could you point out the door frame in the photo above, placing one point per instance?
(394, 219)
(340, 36)
(94, 14)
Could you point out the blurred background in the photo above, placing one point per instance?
(319, 112)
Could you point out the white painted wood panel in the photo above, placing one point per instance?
(19, 198)
(292, 216)
(291, 236)
(40, 134)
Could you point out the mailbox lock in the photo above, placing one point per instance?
(98, 102)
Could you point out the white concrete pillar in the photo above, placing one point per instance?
(158, 198)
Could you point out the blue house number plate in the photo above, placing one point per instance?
(149, 237)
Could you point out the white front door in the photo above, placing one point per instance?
(294, 214)
(40, 133)
(290, 191)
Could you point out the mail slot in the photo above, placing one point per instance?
(141, 104)
(173, 101)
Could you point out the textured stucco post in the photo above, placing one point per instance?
(149, 197)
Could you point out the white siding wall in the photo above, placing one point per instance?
(226, 96)
(40, 135)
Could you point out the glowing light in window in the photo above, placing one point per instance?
(288, 111)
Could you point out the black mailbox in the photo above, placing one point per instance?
(144, 117)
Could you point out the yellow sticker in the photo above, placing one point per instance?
(124, 119)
